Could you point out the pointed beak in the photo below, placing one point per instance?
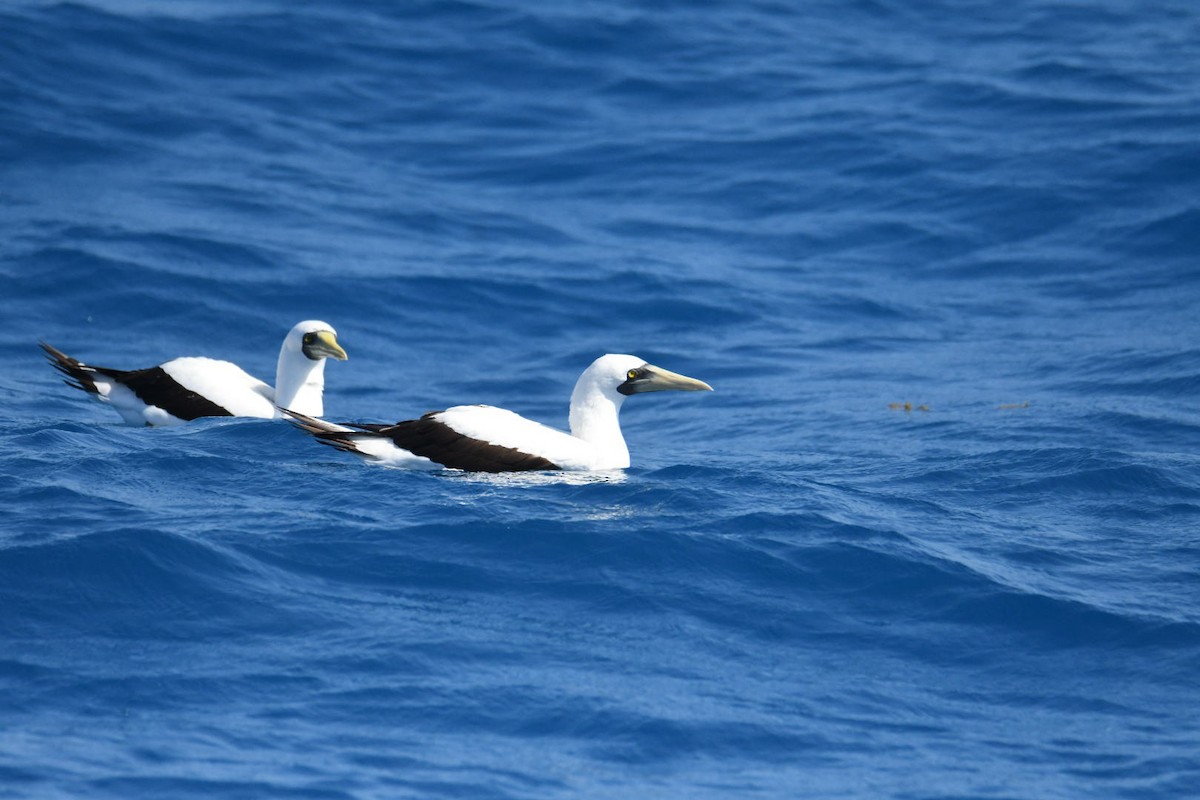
(325, 345)
(656, 379)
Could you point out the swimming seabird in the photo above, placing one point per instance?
(490, 439)
(187, 388)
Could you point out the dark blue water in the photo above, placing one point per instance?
(802, 588)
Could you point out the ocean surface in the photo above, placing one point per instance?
(936, 533)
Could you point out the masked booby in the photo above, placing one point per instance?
(490, 439)
(187, 388)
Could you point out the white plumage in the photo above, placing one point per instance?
(191, 387)
(490, 439)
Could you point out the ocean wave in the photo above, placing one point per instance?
(937, 264)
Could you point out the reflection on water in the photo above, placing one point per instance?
(524, 479)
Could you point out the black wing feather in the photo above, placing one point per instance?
(437, 441)
(155, 387)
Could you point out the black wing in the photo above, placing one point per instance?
(155, 387)
(437, 441)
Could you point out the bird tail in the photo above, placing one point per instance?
(337, 436)
(78, 374)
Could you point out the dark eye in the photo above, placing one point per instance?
(310, 337)
(632, 374)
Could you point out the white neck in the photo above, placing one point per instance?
(594, 419)
(300, 383)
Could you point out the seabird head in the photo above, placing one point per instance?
(632, 375)
(316, 340)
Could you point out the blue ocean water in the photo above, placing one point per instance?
(934, 535)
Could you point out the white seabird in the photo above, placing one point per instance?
(187, 388)
(490, 439)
